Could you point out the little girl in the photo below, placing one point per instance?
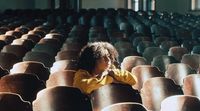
(94, 69)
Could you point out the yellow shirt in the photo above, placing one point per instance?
(86, 83)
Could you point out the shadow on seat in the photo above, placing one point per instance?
(26, 85)
(178, 71)
(130, 62)
(33, 67)
(143, 73)
(191, 85)
(61, 98)
(180, 103)
(13, 102)
(61, 78)
(113, 93)
(156, 89)
(42, 57)
(7, 60)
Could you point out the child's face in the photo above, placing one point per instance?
(103, 63)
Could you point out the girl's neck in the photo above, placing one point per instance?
(96, 72)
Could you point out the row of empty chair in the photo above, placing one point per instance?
(38, 60)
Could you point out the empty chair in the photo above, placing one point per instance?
(61, 78)
(61, 98)
(196, 49)
(45, 48)
(58, 36)
(151, 52)
(51, 41)
(191, 85)
(7, 38)
(180, 103)
(67, 55)
(143, 45)
(3, 72)
(22, 29)
(7, 60)
(156, 89)
(13, 102)
(143, 73)
(113, 93)
(137, 40)
(42, 57)
(72, 46)
(33, 37)
(26, 85)
(177, 52)
(166, 45)
(189, 44)
(17, 34)
(18, 50)
(131, 61)
(64, 65)
(159, 40)
(37, 32)
(28, 44)
(193, 60)
(125, 106)
(161, 61)
(2, 44)
(178, 71)
(32, 67)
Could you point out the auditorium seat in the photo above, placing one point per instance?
(37, 32)
(13, 102)
(160, 39)
(26, 85)
(22, 29)
(177, 52)
(113, 93)
(143, 73)
(34, 37)
(125, 106)
(195, 49)
(178, 71)
(150, 52)
(180, 103)
(156, 89)
(33, 67)
(61, 98)
(189, 44)
(49, 49)
(51, 41)
(191, 85)
(130, 62)
(3, 72)
(8, 39)
(57, 36)
(142, 45)
(193, 60)
(137, 40)
(166, 45)
(161, 62)
(67, 55)
(42, 57)
(64, 65)
(7, 60)
(27, 43)
(17, 34)
(61, 78)
(18, 50)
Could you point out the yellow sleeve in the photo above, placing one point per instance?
(87, 84)
(124, 77)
